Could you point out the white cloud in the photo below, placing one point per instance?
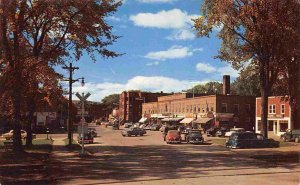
(172, 19)
(207, 68)
(144, 83)
(153, 63)
(182, 34)
(156, 1)
(175, 52)
(226, 70)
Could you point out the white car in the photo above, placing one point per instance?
(234, 130)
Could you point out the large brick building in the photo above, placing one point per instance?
(217, 109)
(279, 118)
(130, 105)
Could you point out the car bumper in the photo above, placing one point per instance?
(196, 142)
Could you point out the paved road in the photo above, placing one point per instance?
(148, 160)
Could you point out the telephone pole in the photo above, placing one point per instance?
(71, 69)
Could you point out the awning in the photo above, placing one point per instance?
(202, 120)
(187, 120)
(171, 119)
(142, 120)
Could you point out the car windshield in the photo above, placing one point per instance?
(195, 133)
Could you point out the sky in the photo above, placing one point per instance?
(161, 51)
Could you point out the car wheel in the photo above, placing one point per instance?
(284, 139)
(141, 134)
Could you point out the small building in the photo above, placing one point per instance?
(279, 118)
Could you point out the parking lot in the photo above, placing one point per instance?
(149, 160)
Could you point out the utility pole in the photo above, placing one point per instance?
(70, 69)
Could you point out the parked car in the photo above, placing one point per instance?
(234, 130)
(88, 138)
(133, 131)
(9, 135)
(115, 127)
(250, 140)
(194, 137)
(185, 130)
(291, 135)
(221, 132)
(154, 127)
(127, 125)
(211, 131)
(173, 136)
(93, 131)
(147, 127)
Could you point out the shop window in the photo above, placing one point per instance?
(224, 107)
(259, 126)
(272, 109)
(270, 125)
(282, 110)
(283, 126)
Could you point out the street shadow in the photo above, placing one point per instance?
(133, 163)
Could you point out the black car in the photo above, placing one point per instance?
(154, 127)
(291, 135)
(211, 131)
(133, 131)
(221, 132)
(250, 140)
(194, 137)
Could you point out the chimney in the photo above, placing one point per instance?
(226, 84)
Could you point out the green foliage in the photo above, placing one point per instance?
(111, 101)
(248, 83)
(208, 88)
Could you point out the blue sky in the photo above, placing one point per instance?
(161, 50)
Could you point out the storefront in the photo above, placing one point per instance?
(275, 125)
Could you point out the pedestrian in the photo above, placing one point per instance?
(165, 132)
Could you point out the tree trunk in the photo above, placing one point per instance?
(17, 142)
(30, 120)
(265, 89)
(296, 124)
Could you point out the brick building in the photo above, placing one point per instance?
(130, 105)
(215, 110)
(279, 118)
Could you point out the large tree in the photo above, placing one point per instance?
(48, 33)
(207, 88)
(251, 32)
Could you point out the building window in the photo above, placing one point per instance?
(248, 107)
(195, 108)
(272, 109)
(248, 119)
(203, 108)
(282, 110)
(236, 108)
(224, 107)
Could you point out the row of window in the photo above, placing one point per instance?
(204, 108)
(272, 109)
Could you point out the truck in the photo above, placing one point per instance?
(291, 135)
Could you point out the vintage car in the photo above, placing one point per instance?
(127, 125)
(250, 140)
(211, 131)
(9, 135)
(194, 137)
(221, 132)
(115, 126)
(154, 127)
(291, 135)
(88, 138)
(233, 130)
(173, 136)
(133, 131)
(93, 131)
